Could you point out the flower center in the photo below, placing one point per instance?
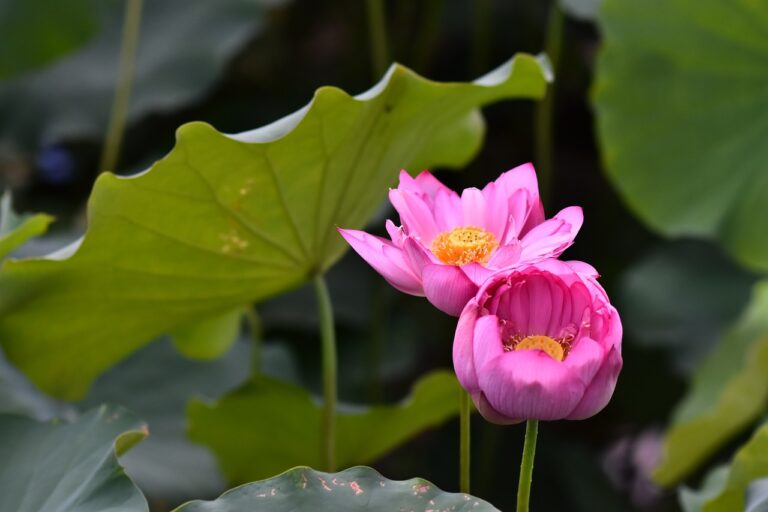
(464, 245)
(556, 349)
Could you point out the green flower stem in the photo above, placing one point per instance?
(465, 412)
(328, 337)
(526, 466)
(254, 329)
(117, 119)
(544, 108)
(377, 27)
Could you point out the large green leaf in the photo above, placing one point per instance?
(682, 112)
(35, 33)
(269, 426)
(183, 47)
(222, 220)
(729, 392)
(68, 467)
(726, 489)
(358, 489)
(681, 297)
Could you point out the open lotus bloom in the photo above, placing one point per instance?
(540, 342)
(448, 245)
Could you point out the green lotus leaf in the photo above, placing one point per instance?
(183, 47)
(69, 467)
(36, 33)
(725, 489)
(358, 488)
(682, 111)
(270, 425)
(223, 221)
(728, 393)
(16, 229)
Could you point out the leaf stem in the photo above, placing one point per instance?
(465, 412)
(545, 107)
(254, 329)
(117, 119)
(328, 338)
(526, 466)
(377, 28)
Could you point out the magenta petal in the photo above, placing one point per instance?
(550, 238)
(529, 384)
(521, 177)
(505, 256)
(386, 259)
(601, 388)
(395, 233)
(489, 413)
(473, 208)
(417, 256)
(415, 214)
(447, 288)
(448, 213)
(463, 362)
(476, 273)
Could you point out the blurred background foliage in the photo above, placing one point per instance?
(654, 125)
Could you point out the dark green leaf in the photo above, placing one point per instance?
(269, 426)
(681, 102)
(358, 489)
(68, 467)
(729, 391)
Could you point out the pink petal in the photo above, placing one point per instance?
(497, 220)
(600, 390)
(476, 273)
(448, 213)
(447, 288)
(463, 363)
(424, 185)
(585, 359)
(505, 256)
(417, 256)
(473, 208)
(489, 413)
(386, 259)
(550, 238)
(528, 384)
(415, 214)
(522, 177)
(395, 233)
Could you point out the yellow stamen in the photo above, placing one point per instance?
(464, 245)
(546, 344)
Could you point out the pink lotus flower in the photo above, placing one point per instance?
(448, 245)
(540, 342)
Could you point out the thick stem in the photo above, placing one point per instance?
(526, 466)
(328, 337)
(377, 27)
(117, 119)
(465, 413)
(545, 107)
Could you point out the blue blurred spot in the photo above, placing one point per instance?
(56, 165)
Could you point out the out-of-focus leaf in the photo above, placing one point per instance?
(269, 426)
(757, 496)
(69, 466)
(35, 33)
(681, 108)
(749, 464)
(15, 229)
(183, 46)
(585, 10)
(223, 221)
(156, 383)
(18, 396)
(681, 297)
(359, 488)
(729, 391)
(210, 337)
(713, 485)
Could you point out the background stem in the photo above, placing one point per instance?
(526, 466)
(543, 115)
(377, 28)
(465, 412)
(117, 118)
(328, 338)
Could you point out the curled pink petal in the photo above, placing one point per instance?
(550, 238)
(447, 287)
(415, 214)
(386, 259)
(601, 388)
